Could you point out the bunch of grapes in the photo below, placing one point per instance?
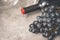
(48, 23)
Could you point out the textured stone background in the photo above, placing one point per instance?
(14, 26)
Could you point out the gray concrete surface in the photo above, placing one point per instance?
(14, 26)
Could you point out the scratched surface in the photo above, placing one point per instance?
(14, 26)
